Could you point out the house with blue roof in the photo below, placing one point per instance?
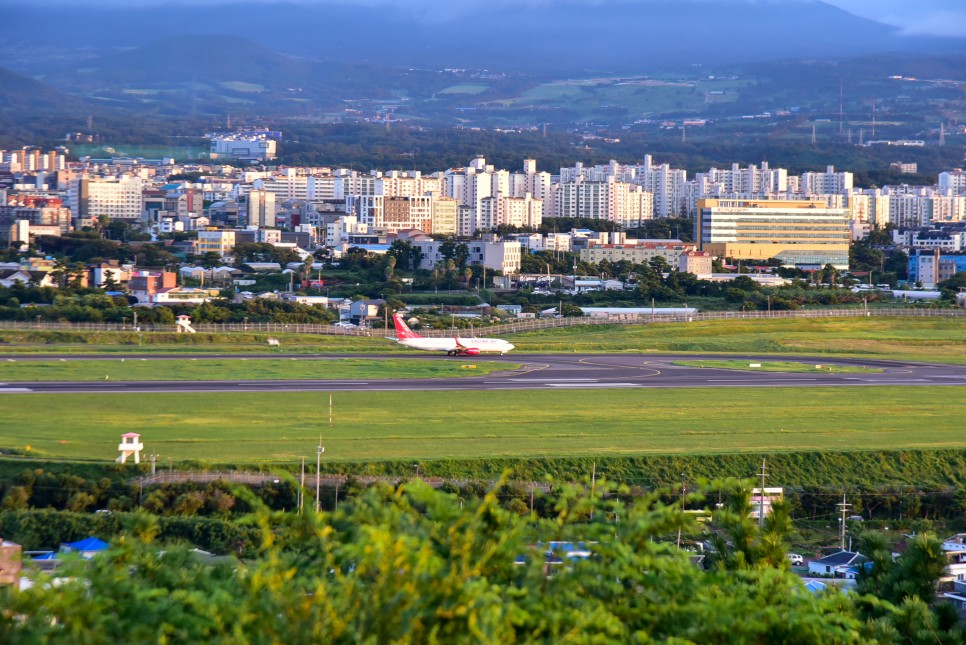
(87, 548)
(843, 564)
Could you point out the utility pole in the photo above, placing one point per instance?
(761, 497)
(318, 478)
(682, 508)
(842, 529)
(593, 486)
(302, 488)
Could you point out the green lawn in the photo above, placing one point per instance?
(281, 427)
(925, 339)
(779, 366)
(465, 88)
(255, 369)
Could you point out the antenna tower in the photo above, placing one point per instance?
(841, 104)
(814, 140)
(942, 133)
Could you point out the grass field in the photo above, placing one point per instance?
(924, 339)
(192, 369)
(927, 339)
(281, 427)
(780, 366)
(465, 88)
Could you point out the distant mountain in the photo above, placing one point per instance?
(561, 36)
(22, 95)
(216, 74)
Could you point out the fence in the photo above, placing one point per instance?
(531, 324)
(254, 478)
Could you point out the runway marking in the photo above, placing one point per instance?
(547, 380)
(593, 385)
(320, 383)
(11, 390)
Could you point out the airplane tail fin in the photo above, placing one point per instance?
(402, 329)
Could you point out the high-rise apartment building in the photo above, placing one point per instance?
(117, 198)
(260, 208)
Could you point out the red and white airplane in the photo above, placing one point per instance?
(455, 346)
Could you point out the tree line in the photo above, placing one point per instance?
(412, 564)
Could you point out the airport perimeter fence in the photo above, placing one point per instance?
(329, 480)
(531, 324)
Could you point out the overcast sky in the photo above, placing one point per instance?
(938, 17)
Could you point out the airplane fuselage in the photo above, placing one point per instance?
(458, 346)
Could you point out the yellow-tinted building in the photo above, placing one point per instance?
(801, 233)
(214, 241)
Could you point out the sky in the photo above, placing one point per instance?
(914, 17)
(920, 17)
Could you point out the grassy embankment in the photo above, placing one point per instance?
(255, 369)
(925, 339)
(263, 428)
(780, 366)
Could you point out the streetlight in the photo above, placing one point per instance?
(416, 466)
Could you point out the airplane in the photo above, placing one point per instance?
(455, 346)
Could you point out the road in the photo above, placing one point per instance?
(536, 372)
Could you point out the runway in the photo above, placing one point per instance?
(536, 372)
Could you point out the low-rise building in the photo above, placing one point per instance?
(842, 564)
(696, 262)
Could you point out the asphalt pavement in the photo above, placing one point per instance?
(536, 372)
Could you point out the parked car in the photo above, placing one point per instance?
(796, 559)
(347, 325)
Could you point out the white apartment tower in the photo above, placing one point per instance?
(260, 208)
(117, 198)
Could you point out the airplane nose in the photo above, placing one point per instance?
(510, 345)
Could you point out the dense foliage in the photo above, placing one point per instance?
(416, 565)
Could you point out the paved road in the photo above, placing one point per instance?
(537, 371)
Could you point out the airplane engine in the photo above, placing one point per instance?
(472, 351)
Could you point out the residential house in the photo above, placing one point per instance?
(365, 312)
(843, 564)
(11, 562)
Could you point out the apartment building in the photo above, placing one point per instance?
(636, 252)
(260, 208)
(521, 212)
(214, 241)
(119, 198)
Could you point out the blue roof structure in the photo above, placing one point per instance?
(87, 544)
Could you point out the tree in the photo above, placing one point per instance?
(404, 252)
(412, 564)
